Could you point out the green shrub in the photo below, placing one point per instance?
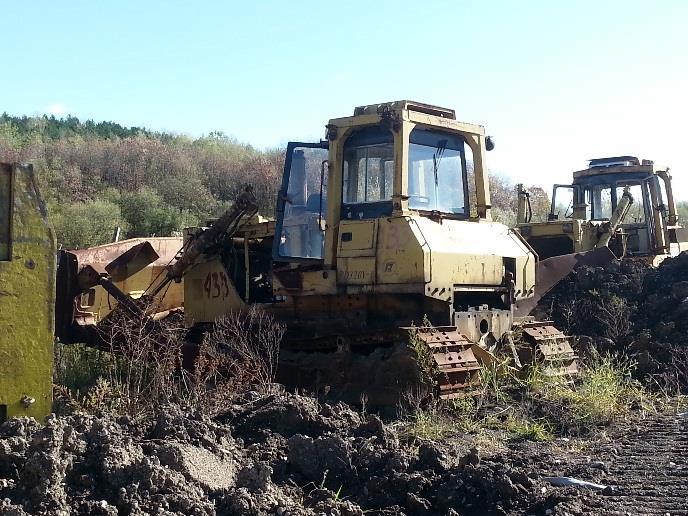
(522, 429)
(148, 215)
(85, 224)
(603, 394)
(428, 424)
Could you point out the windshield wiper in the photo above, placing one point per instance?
(437, 157)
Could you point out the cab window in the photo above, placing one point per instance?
(368, 174)
(302, 207)
(437, 172)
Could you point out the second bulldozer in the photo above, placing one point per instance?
(621, 202)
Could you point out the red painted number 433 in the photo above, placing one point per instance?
(216, 285)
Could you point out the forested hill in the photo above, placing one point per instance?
(100, 176)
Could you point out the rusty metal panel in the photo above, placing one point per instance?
(132, 261)
(136, 266)
(550, 348)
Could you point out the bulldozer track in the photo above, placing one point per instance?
(456, 364)
(647, 469)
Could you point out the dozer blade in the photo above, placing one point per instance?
(551, 271)
(548, 347)
(455, 362)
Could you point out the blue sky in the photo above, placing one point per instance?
(556, 83)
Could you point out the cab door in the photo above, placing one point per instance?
(302, 204)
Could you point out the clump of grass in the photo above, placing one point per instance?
(522, 429)
(492, 382)
(428, 425)
(464, 411)
(604, 394)
(421, 417)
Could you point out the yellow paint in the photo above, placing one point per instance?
(209, 293)
(27, 286)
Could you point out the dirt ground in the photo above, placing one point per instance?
(286, 454)
(292, 455)
(631, 308)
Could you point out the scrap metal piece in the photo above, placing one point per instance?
(573, 482)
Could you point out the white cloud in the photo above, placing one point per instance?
(57, 109)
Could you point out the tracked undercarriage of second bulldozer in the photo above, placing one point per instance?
(383, 263)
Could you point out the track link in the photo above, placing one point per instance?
(548, 347)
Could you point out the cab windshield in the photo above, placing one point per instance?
(437, 172)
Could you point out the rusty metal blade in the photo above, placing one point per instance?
(551, 271)
(131, 261)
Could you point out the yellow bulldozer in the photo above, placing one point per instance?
(380, 263)
(621, 202)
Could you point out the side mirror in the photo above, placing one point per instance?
(489, 143)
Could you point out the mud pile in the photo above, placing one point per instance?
(281, 454)
(630, 307)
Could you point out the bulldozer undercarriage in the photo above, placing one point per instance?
(382, 368)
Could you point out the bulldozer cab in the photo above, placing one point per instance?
(599, 189)
(388, 159)
(601, 200)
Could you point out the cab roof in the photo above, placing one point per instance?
(410, 105)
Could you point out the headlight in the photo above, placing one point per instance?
(567, 227)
